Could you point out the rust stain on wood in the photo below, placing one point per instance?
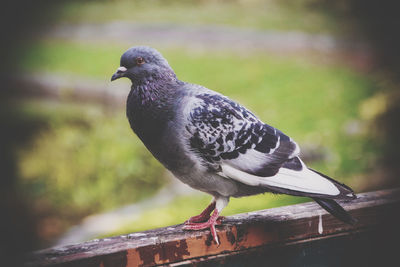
(174, 251)
(116, 260)
(133, 258)
(258, 235)
(156, 254)
(230, 237)
(148, 254)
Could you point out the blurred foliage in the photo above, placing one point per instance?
(97, 61)
(83, 160)
(305, 15)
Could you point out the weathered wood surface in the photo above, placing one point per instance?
(251, 233)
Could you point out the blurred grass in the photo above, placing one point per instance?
(87, 159)
(83, 160)
(107, 160)
(303, 15)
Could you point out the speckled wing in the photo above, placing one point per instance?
(231, 140)
(224, 132)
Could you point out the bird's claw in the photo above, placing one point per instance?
(220, 219)
(204, 225)
(196, 220)
(203, 216)
(205, 220)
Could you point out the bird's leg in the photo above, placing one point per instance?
(203, 216)
(204, 225)
(213, 220)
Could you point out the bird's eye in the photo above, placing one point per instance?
(139, 60)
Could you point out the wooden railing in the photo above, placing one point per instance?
(298, 235)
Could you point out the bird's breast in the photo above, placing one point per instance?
(156, 129)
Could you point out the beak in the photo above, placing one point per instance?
(119, 73)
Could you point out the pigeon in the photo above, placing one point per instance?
(214, 144)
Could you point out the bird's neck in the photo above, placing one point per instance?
(153, 93)
(150, 111)
(150, 107)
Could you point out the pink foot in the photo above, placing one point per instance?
(203, 216)
(204, 220)
(215, 219)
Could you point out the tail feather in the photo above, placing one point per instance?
(336, 210)
(345, 191)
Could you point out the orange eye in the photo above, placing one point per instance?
(139, 60)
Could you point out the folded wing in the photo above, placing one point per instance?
(230, 138)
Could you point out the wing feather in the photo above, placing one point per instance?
(241, 147)
(222, 131)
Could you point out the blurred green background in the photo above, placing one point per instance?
(301, 66)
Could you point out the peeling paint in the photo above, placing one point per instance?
(241, 233)
(231, 237)
(174, 251)
(136, 235)
(209, 240)
(147, 254)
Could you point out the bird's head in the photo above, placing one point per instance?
(142, 64)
